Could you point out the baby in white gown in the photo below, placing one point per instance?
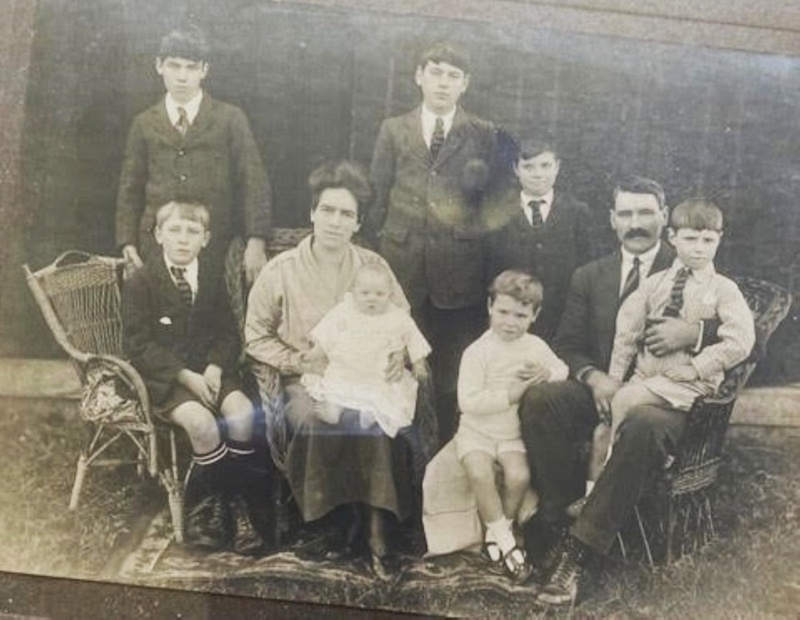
(358, 336)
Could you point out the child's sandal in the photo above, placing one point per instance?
(517, 566)
(492, 554)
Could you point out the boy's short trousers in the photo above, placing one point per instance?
(179, 395)
(468, 440)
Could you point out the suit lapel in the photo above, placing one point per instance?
(206, 118)
(556, 212)
(165, 127)
(454, 139)
(609, 280)
(166, 286)
(413, 131)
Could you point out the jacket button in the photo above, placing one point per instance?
(184, 177)
(181, 152)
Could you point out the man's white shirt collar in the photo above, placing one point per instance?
(192, 107)
(545, 204)
(429, 123)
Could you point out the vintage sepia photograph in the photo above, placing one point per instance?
(343, 308)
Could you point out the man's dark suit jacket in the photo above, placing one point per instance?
(217, 163)
(427, 213)
(162, 335)
(552, 252)
(585, 335)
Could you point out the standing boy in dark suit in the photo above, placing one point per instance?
(540, 229)
(180, 335)
(429, 170)
(191, 145)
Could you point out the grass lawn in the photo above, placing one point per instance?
(752, 570)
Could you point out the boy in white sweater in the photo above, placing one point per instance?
(495, 371)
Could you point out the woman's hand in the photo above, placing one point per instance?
(196, 384)
(420, 370)
(395, 366)
(314, 361)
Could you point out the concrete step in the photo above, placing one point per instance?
(45, 384)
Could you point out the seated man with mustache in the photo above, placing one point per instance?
(557, 416)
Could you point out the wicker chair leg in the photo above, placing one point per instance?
(622, 548)
(644, 537)
(152, 455)
(685, 534)
(175, 499)
(709, 516)
(671, 521)
(173, 455)
(80, 474)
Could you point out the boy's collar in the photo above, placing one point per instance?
(191, 267)
(701, 275)
(447, 118)
(192, 106)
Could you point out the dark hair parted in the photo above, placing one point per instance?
(530, 147)
(443, 51)
(698, 214)
(187, 42)
(518, 285)
(343, 174)
(633, 184)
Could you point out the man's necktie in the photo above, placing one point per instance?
(437, 138)
(675, 304)
(183, 121)
(182, 284)
(631, 280)
(536, 213)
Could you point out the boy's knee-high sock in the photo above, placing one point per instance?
(208, 471)
(208, 521)
(255, 483)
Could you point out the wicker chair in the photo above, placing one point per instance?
(79, 296)
(681, 498)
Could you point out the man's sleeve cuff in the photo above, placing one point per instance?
(698, 345)
(583, 373)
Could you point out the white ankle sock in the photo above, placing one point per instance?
(500, 532)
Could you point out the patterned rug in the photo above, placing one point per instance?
(455, 585)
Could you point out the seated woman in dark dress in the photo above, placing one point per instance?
(328, 465)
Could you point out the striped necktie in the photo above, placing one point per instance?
(437, 138)
(182, 284)
(675, 304)
(536, 213)
(631, 280)
(183, 121)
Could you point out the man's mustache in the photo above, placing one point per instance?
(637, 232)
